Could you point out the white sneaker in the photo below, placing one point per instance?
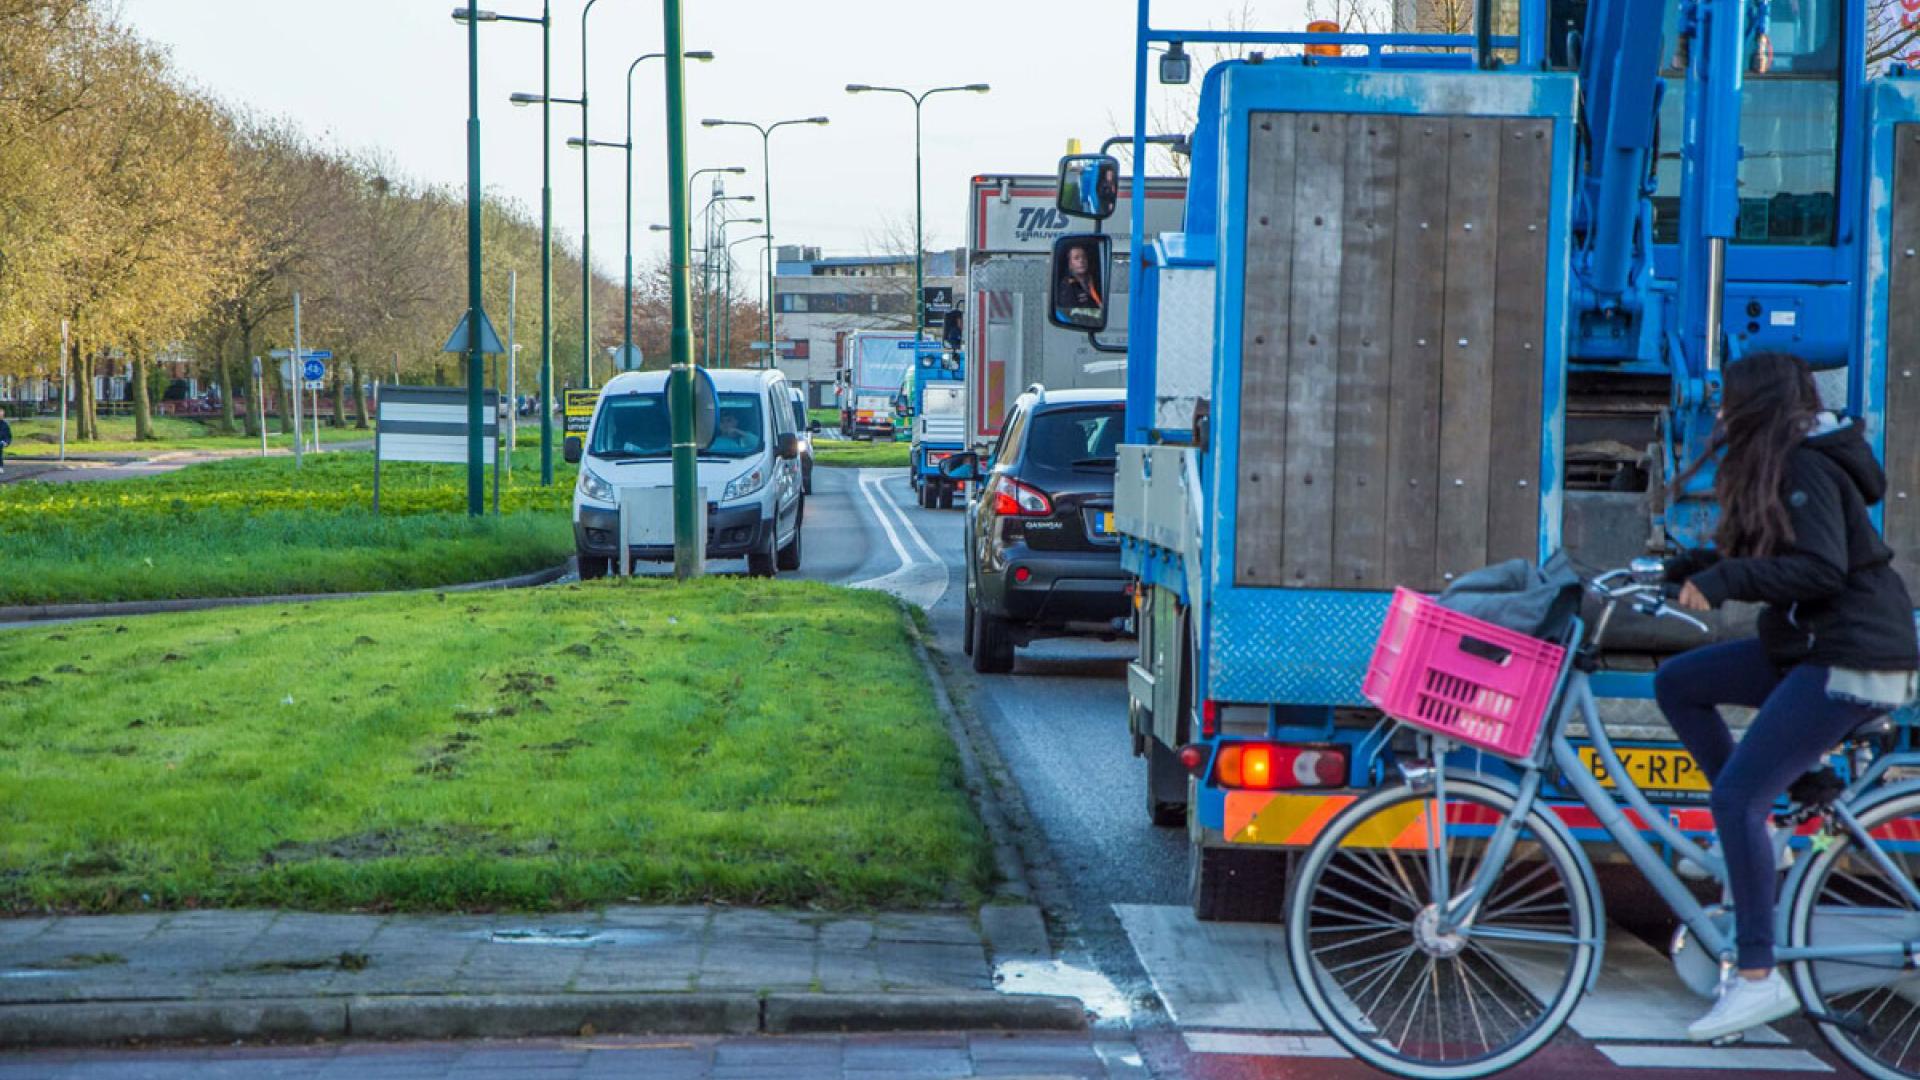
(1692, 871)
(1745, 1003)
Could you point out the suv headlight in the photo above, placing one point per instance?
(746, 484)
(592, 487)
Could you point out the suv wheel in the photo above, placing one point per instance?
(966, 632)
(761, 563)
(992, 645)
(789, 556)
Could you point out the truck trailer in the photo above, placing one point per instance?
(874, 364)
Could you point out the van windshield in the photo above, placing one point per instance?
(636, 426)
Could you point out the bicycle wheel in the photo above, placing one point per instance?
(1362, 940)
(1847, 898)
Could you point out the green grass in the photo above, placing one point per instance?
(826, 418)
(41, 435)
(862, 455)
(746, 741)
(258, 526)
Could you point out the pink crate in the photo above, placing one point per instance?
(1470, 681)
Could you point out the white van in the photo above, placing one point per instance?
(749, 468)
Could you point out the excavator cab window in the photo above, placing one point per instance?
(1789, 129)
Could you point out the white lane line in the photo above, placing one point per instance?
(919, 582)
(913, 531)
(1292, 1046)
(1744, 1058)
(886, 522)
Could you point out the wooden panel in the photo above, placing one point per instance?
(1902, 519)
(1419, 283)
(1265, 312)
(1366, 352)
(1520, 313)
(1313, 348)
(1466, 391)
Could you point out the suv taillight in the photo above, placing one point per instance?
(1011, 498)
(1267, 766)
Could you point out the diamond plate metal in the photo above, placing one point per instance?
(1292, 646)
(1184, 345)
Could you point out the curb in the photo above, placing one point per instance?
(44, 612)
(525, 1016)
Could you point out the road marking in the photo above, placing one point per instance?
(919, 582)
(1744, 1058)
(1297, 1046)
(913, 531)
(886, 522)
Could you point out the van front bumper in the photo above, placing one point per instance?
(732, 533)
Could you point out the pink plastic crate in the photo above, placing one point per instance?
(1470, 681)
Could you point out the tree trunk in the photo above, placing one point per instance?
(226, 390)
(256, 395)
(359, 398)
(87, 427)
(339, 399)
(142, 405)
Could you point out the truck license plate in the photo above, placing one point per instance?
(1652, 770)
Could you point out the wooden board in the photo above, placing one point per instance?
(1519, 328)
(1313, 348)
(1902, 519)
(1366, 352)
(1466, 388)
(1265, 320)
(1419, 288)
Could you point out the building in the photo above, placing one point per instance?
(819, 300)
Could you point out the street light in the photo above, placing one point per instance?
(703, 56)
(707, 270)
(919, 244)
(724, 336)
(586, 219)
(766, 163)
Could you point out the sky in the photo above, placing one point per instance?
(390, 76)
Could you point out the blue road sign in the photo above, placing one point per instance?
(316, 354)
(314, 369)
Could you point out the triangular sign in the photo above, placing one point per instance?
(489, 340)
(629, 357)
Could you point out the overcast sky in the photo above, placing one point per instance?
(391, 75)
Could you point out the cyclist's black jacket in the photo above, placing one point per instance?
(1833, 597)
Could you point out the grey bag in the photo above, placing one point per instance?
(1536, 601)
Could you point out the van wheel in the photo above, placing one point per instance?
(992, 645)
(789, 556)
(761, 563)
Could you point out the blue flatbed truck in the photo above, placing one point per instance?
(1444, 300)
(937, 418)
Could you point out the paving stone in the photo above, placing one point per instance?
(948, 929)
(772, 964)
(751, 923)
(839, 974)
(847, 934)
(925, 965)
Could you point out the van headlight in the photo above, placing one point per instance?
(592, 487)
(746, 484)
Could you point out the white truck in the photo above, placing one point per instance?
(874, 365)
(1012, 222)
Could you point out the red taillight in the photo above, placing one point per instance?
(1209, 718)
(1011, 498)
(1022, 575)
(1268, 766)
(1192, 756)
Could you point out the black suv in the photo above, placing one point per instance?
(1043, 559)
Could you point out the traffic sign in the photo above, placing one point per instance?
(316, 354)
(314, 369)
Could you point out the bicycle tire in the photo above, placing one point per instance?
(1823, 985)
(1478, 971)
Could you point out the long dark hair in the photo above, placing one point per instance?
(1768, 405)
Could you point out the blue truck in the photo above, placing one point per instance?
(936, 395)
(1443, 300)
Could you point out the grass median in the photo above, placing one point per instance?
(40, 436)
(732, 740)
(843, 453)
(259, 526)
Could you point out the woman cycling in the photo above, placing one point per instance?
(1836, 642)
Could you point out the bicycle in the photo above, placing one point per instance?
(1447, 926)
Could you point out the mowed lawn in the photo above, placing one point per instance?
(261, 526)
(747, 741)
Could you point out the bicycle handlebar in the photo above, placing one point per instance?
(1647, 594)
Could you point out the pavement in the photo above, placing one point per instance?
(79, 468)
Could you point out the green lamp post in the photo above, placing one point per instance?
(766, 206)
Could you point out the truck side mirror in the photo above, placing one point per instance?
(1089, 185)
(1080, 271)
(571, 450)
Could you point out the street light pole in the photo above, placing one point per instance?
(766, 205)
(476, 501)
(919, 241)
(586, 219)
(726, 317)
(689, 548)
(708, 339)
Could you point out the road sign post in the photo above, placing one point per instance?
(293, 388)
(259, 387)
(66, 346)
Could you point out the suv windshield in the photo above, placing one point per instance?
(635, 425)
(1075, 438)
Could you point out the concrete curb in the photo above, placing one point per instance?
(517, 1016)
(129, 608)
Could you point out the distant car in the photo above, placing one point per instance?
(1042, 556)
(805, 426)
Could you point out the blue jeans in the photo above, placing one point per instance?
(1796, 726)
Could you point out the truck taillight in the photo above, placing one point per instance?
(1209, 718)
(1270, 766)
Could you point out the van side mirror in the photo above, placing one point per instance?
(571, 451)
(1089, 185)
(1080, 286)
(962, 466)
(814, 428)
(789, 446)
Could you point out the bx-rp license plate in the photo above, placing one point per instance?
(1652, 770)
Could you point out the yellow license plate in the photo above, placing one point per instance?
(1106, 524)
(1652, 770)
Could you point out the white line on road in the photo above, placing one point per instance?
(1744, 1058)
(917, 581)
(878, 482)
(886, 522)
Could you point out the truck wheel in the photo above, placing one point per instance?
(1166, 785)
(946, 496)
(1233, 885)
(929, 494)
(593, 566)
(761, 563)
(789, 556)
(992, 645)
